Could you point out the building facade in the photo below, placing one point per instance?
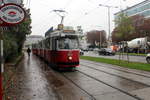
(31, 39)
(142, 9)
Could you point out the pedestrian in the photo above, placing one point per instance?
(28, 51)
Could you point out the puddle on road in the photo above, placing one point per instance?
(54, 81)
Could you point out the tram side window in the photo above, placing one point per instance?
(50, 43)
(53, 44)
(47, 44)
(43, 43)
(40, 44)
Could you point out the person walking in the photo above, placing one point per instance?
(28, 51)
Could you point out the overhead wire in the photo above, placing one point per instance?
(106, 1)
(86, 13)
(82, 16)
(67, 4)
(29, 3)
(42, 25)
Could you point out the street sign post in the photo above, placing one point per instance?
(10, 14)
(1, 63)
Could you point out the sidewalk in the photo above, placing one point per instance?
(30, 81)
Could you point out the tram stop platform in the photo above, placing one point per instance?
(30, 81)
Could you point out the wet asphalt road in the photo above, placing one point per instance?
(131, 58)
(91, 81)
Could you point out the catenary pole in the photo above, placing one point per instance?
(109, 33)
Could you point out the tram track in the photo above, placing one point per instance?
(103, 82)
(71, 81)
(129, 94)
(91, 96)
(134, 73)
(115, 75)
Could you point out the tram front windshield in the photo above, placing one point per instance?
(67, 43)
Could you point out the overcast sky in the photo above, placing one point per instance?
(85, 13)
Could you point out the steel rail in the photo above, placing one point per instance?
(92, 97)
(131, 95)
(104, 66)
(116, 75)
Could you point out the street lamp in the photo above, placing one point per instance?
(109, 34)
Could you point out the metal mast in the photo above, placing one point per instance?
(109, 33)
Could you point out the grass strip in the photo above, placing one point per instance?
(132, 65)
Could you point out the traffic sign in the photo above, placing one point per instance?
(11, 14)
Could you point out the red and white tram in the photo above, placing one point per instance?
(59, 48)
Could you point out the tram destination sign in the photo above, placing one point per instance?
(12, 14)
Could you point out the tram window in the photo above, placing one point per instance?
(50, 43)
(43, 44)
(47, 44)
(53, 44)
(67, 43)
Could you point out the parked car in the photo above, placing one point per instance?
(90, 49)
(85, 49)
(96, 49)
(81, 52)
(148, 58)
(106, 51)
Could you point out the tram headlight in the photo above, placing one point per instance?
(70, 58)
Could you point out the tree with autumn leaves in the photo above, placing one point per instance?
(142, 26)
(124, 28)
(128, 28)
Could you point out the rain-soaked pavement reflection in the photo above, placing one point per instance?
(37, 81)
(32, 82)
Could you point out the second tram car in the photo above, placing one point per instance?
(59, 48)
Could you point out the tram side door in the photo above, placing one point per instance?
(54, 50)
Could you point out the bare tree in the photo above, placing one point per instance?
(96, 36)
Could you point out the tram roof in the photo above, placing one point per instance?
(62, 33)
